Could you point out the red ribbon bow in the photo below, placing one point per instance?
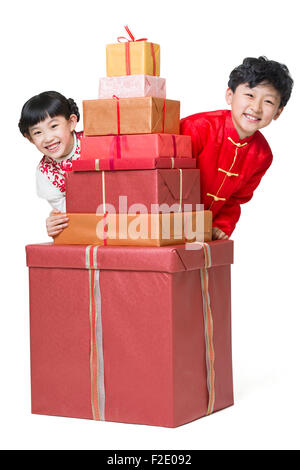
(127, 49)
(132, 38)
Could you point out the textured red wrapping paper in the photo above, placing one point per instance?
(85, 191)
(131, 164)
(153, 365)
(136, 146)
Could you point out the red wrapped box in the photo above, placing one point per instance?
(130, 164)
(133, 335)
(136, 146)
(155, 190)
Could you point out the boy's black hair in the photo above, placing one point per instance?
(257, 71)
(48, 103)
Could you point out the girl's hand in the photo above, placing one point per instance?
(218, 234)
(56, 222)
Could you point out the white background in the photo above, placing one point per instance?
(60, 45)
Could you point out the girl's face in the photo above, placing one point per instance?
(53, 136)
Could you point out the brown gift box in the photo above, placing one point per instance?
(146, 115)
(136, 229)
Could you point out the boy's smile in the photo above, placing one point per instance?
(53, 136)
(253, 108)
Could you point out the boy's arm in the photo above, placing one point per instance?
(196, 130)
(230, 212)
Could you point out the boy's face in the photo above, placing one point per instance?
(53, 136)
(253, 108)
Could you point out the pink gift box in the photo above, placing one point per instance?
(130, 334)
(136, 146)
(156, 190)
(132, 86)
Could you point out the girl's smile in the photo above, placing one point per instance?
(54, 136)
(54, 147)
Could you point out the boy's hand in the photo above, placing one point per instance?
(218, 234)
(56, 222)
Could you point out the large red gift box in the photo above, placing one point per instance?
(133, 335)
(150, 190)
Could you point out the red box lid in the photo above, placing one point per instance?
(131, 164)
(168, 259)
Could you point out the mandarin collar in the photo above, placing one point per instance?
(230, 131)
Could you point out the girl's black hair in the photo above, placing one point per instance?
(256, 71)
(48, 103)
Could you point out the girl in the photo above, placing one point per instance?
(48, 121)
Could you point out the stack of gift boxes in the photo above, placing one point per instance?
(136, 182)
(137, 333)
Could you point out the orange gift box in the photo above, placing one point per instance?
(145, 115)
(136, 229)
(133, 58)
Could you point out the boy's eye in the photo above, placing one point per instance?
(269, 102)
(54, 125)
(249, 94)
(36, 132)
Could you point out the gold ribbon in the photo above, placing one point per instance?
(208, 329)
(103, 192)
(96, 345)
(180, 190)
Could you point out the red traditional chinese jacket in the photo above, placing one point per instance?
(231, 168)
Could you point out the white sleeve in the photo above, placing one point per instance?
(46, 190)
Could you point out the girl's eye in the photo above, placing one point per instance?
(54, 125)
(36, 133)
(249, 94)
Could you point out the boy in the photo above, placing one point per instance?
(231, 153)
